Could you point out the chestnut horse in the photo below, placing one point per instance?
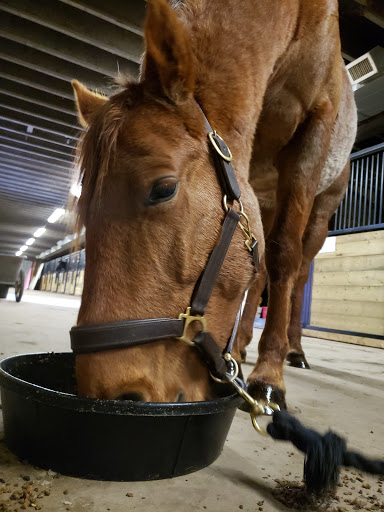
(270, 79)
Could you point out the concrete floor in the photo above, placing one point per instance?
(343, 391)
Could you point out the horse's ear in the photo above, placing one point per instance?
(168, 62)
(87, 101)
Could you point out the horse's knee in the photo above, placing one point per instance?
(283, 258)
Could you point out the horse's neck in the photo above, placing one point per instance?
(236, 44)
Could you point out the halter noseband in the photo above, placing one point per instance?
(131, 333)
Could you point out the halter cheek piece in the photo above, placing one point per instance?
(131, 333)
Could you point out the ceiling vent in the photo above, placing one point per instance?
(366, 66)
(361, 69)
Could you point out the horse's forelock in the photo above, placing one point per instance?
(96, 151)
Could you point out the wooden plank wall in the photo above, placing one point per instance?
(348, 289)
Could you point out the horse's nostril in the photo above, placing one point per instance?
(180, 397)
(133, 397)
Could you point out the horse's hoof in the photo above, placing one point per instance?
(264, 393)
(298, 360)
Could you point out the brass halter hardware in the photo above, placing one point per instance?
(254, 415)
(227, 158)
(247, 231)
(230, 377)
(226, 207)
(188, 319)
(245, 225)
(257, 409)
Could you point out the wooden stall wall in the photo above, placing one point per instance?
(348, 290)
(67, 279)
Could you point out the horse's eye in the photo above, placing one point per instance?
(163, 190)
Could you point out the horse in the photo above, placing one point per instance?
(270, 79)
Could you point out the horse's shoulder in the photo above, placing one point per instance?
(313, 14)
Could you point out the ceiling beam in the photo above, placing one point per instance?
(79, 25)
(59, 45)
(347, 57)
(50, 65)
(34, 158)
(32, 95)
(54, 182)
(34, 122)
(38, 196)
(374, 126)
(15, 242)
(41, 191)
(62, 160)
(36, 143)
(39, 81)
(35, 152)
(38, 111)
(38, 213)
(14, 177)
(29, 225)
(38, 134)
(18, 237)
(353, 22)
(27, 163)
(128, 15)
(373, 10)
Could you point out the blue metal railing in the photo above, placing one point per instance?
(362, 206)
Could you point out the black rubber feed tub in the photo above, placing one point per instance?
(48, 425)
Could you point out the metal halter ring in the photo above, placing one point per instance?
(227, 158)
(226, 207)
(254, 415)
(229, 359)
(257, 408)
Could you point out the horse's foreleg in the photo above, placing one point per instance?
(245, 333)
(316, 232)
(299, 164)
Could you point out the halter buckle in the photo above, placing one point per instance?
(211, 135)
(188, 319)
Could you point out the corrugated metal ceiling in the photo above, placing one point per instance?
(44, 44)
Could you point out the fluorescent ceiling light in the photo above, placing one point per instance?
(19, 253)
(23, 248)
(39, 232)
(29, 241)
(59, 212)
(76, 190)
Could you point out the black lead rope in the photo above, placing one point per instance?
(325, 454)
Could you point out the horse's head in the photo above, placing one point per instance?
(152, 207)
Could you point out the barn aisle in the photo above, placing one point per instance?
(344, 390)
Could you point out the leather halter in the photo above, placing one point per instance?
(131, 333)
